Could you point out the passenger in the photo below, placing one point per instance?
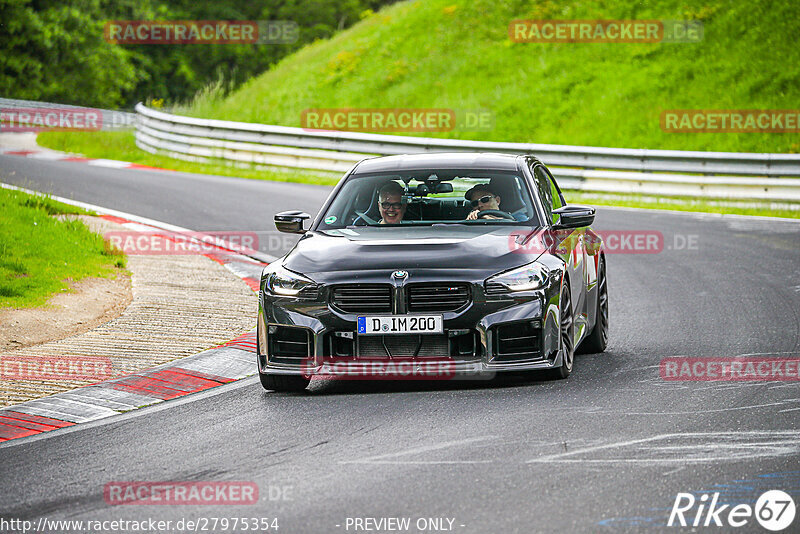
(391, 203)
(482, 198)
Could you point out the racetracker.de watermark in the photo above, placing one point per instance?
(168, 32)
(564, 241)
(180, 243)
(50, 118)
(396, 119)
(381, 368)
(731, 120)
(730, 369)
(189, 492)
(605, 31)
(83, 368)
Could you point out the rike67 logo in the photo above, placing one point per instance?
(774, 510)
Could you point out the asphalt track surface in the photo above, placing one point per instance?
(607, 449)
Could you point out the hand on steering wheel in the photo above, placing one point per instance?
(495, 214)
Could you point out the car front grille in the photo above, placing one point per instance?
(363, 298)
(403, 346)
(426, 297)
(461, 345)
(437, 297)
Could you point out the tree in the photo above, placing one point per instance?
(55, 52)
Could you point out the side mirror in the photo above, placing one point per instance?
(573, 216)
(291, 222)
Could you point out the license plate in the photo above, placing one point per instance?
(400, 324)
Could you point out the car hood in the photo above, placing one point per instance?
(420, 249)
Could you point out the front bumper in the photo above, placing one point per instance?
(491, 319)
(421, 370)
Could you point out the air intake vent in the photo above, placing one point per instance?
(493, 288)
(288, 344)
(365, 298)
(517, 341)
(310, 293)
(437, 297)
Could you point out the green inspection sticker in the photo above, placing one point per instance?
(330, 220)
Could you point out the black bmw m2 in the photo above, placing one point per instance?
(470, 263)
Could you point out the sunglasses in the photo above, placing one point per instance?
(391, 205)
(482, 200)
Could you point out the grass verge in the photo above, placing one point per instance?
(40, 254)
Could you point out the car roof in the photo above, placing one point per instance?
(438, 160)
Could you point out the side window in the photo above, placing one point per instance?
(545, 190)
(552, 196)
(558, 198)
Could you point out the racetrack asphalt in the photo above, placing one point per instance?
(607, 449)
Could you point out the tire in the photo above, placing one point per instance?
(567, 336)
(284, 383)
(597, 341)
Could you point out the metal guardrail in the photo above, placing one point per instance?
(733, 175)
(721, 175)
(774, 177)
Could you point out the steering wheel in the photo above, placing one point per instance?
(497, 213)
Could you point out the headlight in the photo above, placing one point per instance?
(285, 283)
(531, 276)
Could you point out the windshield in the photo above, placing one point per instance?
(431, 197)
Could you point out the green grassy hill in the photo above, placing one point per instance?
(457, 54)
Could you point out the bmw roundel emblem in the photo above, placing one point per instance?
(400, 274)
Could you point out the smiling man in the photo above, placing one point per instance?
(391, 204)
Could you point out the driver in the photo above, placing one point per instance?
(391, 204)
(483, 198)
